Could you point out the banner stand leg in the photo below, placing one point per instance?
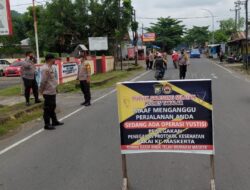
(212, 165)
(124, 173)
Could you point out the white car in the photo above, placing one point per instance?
(3, 65)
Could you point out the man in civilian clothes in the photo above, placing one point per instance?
(48, 88)
(84, 73)
(28, 75)
(175, 58)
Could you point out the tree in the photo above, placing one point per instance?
(197, 36)
(62, 24)
(58, 28)
(168, 32)
(227, 26)
(220, 36)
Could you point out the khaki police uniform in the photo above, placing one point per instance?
(48, 87)
(84, 73)
(28, 75)
(183, 60)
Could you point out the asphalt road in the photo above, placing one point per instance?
(9, 81)
(84, 153)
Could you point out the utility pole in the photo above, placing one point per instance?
(246, 7)
(237, 8)
(135, 36)
(119, 28)
(236, 17)
(35, 29)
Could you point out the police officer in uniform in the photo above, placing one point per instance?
(48, 88)
(183, 62)
(28, 75)
(84, 73)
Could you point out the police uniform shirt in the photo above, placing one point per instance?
(48, 80)
(84, 71)
(28, 70)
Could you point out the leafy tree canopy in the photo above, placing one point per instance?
(168, 32)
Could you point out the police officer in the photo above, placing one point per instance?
(183, 62)
(84, 73)
(48, 88)
(28, 70)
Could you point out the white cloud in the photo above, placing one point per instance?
(183, 9)
(165, 8)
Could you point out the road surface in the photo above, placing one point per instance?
(6, 82)
(84, 153)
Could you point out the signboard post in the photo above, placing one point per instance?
(166, 116)
(5, 18)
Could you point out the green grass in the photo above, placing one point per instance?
(9, 109)
(71, 86)
(15, 123)
(118, 76)
(11, 91)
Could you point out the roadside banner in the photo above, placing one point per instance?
(5, 18)
(131, 52)
(166, 116)
(98, 43)
(148, 37)
(69, 69)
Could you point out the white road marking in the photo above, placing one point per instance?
(214, 76)
(235, 75)
(247, 80)
(63, 118)
(20, 142)
(224, 68)
(96, 100)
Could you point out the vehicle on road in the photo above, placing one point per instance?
(14, 69)
(195, 53)
(3, 65)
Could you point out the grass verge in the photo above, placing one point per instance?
(13, 124)
(114, 76)
(11, 91)
(240, 69)
(71, 86)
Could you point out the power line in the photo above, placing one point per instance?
(180, 18)
(25, 4)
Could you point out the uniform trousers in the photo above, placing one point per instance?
(85, 87)
(49, 109)
(151, 64)
(183, 70)
(28, 85)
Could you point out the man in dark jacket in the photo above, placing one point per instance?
(159, 66)
(28, 70)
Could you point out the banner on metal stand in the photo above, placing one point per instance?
(166, 116)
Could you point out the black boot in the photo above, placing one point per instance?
(49, 127)
(87, 104)
(57, 123)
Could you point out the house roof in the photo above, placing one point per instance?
(238, 36)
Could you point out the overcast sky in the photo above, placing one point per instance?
(146, 9)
